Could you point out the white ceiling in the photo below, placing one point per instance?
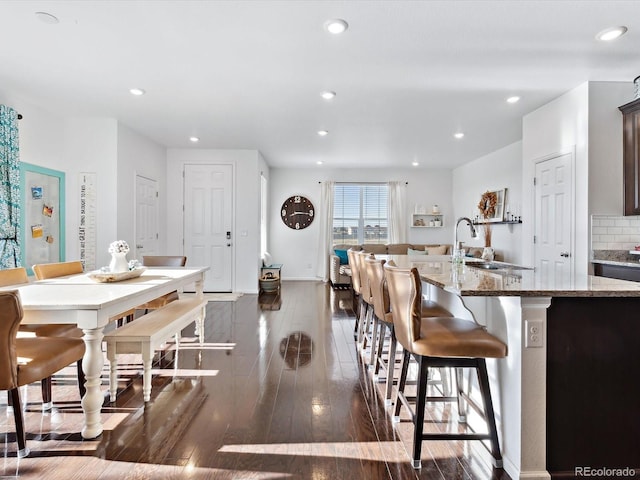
(248, 74)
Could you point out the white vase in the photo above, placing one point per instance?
(118, 263)
(488, 254)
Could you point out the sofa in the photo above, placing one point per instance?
(339, 273)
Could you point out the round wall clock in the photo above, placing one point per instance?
(297, 212)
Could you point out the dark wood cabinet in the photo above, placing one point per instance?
(616, 271)
(631, 152)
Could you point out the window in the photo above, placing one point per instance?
(360, 213)
(263, 214)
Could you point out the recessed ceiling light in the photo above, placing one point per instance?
(336, 26)
(415, 164)
(458, 135)
(137, 91)
(45, 17)
(319, 162)
(328, 95)
(194, 139)
(514, 99)
(611, 33)
(323, 133)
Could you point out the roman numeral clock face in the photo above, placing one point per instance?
(297, 212)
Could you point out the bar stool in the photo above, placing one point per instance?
(367, 327)
(355, 283)
(439, 342)
(382, 312)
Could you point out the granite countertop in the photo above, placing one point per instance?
(509, 280)
(620, 258)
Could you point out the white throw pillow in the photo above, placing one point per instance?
(441, 250)
(411, 251)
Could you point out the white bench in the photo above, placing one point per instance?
(145, 334)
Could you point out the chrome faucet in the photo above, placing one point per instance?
(472, 229)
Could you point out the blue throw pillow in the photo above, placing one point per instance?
(342, 255)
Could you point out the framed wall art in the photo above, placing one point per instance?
(491, 205)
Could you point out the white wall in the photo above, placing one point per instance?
(247, 165)
(559, 126)
(90, 145)
(605, 146)
(497, 170)
(297, 249)
(586, 121)
(138, 155)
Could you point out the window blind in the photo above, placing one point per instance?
(360, 213)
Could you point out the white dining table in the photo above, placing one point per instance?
(91, 305)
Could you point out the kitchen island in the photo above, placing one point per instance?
(566, 394)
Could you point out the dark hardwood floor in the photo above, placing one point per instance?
(278, 391)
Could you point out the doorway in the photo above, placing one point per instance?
(208, 214)
(554, 218)
(146, 220)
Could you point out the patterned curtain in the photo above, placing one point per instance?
(9, 189)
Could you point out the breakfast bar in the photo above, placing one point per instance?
(566, 394)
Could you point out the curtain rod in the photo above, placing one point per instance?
(364, 183)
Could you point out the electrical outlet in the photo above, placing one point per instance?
(534, 334)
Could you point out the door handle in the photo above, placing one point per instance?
(564, 254)
(139, 246)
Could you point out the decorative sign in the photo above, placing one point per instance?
(87, 229)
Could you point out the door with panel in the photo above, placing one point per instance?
(554, 219)
(146, 220)
(208, 218)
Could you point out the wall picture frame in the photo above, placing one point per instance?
(493, 202)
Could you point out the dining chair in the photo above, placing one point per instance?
(43, 271)
(18, 276)
(439, 342)
(162, 261)
(30, 359)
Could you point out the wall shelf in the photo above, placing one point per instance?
(504, 222)
(423, 220)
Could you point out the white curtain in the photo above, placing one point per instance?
(397, 212)
(326, 229)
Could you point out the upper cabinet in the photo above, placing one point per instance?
(631, 135)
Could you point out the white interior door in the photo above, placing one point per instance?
(554, 219)
(208, 217)
(146, 217)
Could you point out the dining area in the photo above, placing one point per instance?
(61, 316)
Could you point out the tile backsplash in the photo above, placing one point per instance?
(614, 232)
